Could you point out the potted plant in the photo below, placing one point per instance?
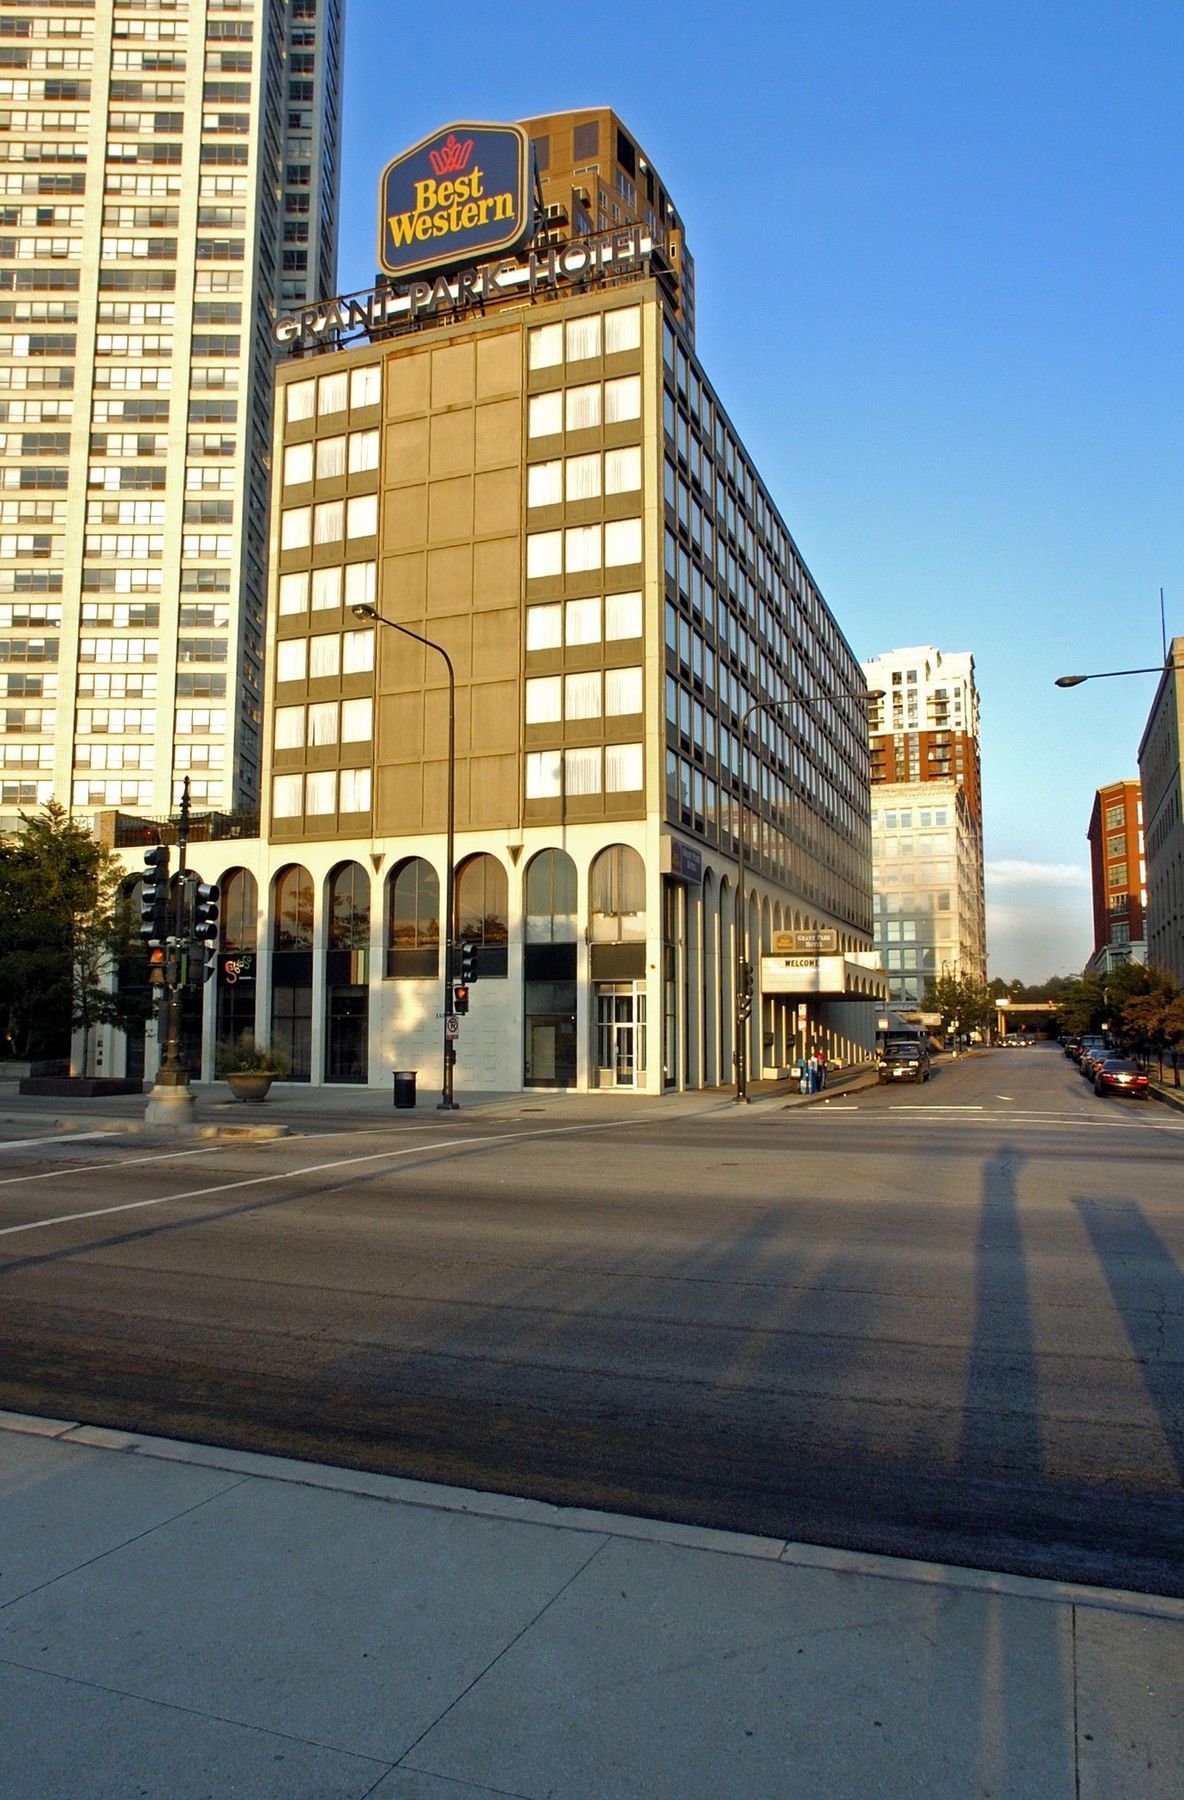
(248, 1069)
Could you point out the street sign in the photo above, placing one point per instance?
(452, 1026)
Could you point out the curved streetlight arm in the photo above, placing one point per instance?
(1068, 681)
(366, 610)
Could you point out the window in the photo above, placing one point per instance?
(482, 903)
(622, 691)
(583, 406)
(622, 470)
(297, 464)
(320, 792)
(363, 451)
(546, 347)
(544, 484)
(542, 699)
(582, 547)
(622, 616)
(291, 659)
(289, 727)
(583, 621)
(322, 723)
(357, 722)
(328, 519)
(583, 477)
(583, 338)
(581, 770)
(355, 791)
(365, 385)
(286, 794)
(294, 593)
(545, 415)
(357, 652)
(623, 769)
(544, 627)
(361, 583)
(295, 527)
(542, 775)
(332, 393)
(622, 399)
(325, 656)
(582, 694)
(362, 516)
(544, 554)
(622, 542)
(300, 399)
(413, 920)
(326, 589)
(330, 457)
(622, 329)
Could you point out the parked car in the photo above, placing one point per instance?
(1091, 1059)
(903, 1062)
(1118, 1076)
(1072, 1047)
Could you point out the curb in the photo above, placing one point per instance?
(472, 1502)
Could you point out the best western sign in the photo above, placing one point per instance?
(459, 196)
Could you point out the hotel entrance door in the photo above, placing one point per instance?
(620, 1033)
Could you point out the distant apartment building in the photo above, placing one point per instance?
(1163, 825)
(927, 829)
(168, 180)
(1117, 875)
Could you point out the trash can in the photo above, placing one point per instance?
(405, 1087)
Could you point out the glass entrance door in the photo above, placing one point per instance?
(620, 1033)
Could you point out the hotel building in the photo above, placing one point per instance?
(548, 489)
(168, 178)
(1118, 876)
(927, 831)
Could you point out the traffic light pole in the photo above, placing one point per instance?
(172, 1092)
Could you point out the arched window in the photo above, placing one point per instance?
(293, 909)
(482, 912)
(551, 898)
(349, 908)
(239, 910)
(616, 896)
(413, 920)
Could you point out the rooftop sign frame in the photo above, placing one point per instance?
(462, 195)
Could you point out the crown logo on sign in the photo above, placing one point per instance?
(452, 157)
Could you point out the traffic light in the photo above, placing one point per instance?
(206, 896)
(460, 999)
(468, 963)
(154, 896)
(745, 991)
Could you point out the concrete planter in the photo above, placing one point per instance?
(253, 1084)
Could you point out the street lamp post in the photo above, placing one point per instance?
(1068, 681)
(366, 610)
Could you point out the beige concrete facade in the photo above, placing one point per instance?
(1163, 818)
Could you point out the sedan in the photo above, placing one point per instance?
(1116, 1076)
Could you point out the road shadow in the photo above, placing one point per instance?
(1147, 1287)
(1001, 1429)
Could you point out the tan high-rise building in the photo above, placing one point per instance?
(927, 827)
(169, 178)
(543, 484)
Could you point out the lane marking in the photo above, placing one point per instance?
(931, 1106)
(343, 1162)
(57, 1137)
(127, 1162)
(1004, 1097)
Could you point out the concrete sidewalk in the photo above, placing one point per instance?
(179, 1621)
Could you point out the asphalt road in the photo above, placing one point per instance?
(942, 1321)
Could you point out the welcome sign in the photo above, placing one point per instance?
(461, 195)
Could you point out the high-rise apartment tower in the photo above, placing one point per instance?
(927, 827)
(168, 179)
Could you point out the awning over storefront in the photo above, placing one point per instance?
(855, 976)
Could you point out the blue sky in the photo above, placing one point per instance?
(938, 267)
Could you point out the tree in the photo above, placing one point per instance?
(1152, 1022)
(65, 926)
(963, 999)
